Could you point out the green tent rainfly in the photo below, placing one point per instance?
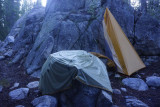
(62, 67)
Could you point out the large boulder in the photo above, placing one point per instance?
(153, 81)
(81, 95)
(85, 96)
(68, 25)
(148, 38)
(135, 83)
(134, 102)
(45, 101)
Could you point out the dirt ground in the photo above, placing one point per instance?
(11, 74)
(8, 76)
(151, 97)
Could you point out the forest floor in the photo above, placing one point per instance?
(12, 74)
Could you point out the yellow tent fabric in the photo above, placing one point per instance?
(123, 53)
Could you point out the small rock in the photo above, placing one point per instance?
(9, 53)
(10, 39)
(104, 100)
(18, 57)
(116, 91)
(137, 76)
(153, 88)
(19, 94)
(134, 102)
(142, 73)
(110, 73)
(37, 91)
(19, 66)
(36, 74)
(114, 106)
(1, 88)
(19, 106)
(45, 101)
(135, 83)
(2, 57)
(124, 89)
(2, 50)
(153, 81)
(33, 84)
(155, 74)
(15, 85)
(117, 76)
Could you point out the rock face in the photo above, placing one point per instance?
(153, 81)
(19, 94)
(45, 101)
(84, 30)
(134, 102)
(68, 25)
(135, 83)
(148, 39)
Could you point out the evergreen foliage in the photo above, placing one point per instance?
(10, 12)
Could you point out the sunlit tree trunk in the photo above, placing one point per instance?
(143, 6)
(39, 3)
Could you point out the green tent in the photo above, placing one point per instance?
(62, 67)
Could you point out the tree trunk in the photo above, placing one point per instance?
(39, 3)
(143, 6)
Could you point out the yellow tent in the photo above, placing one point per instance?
(123, 53)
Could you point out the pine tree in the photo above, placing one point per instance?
(3, 31)
(26, 6)
(9, 14)
(38, 3)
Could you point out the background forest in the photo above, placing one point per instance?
(11, 11)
